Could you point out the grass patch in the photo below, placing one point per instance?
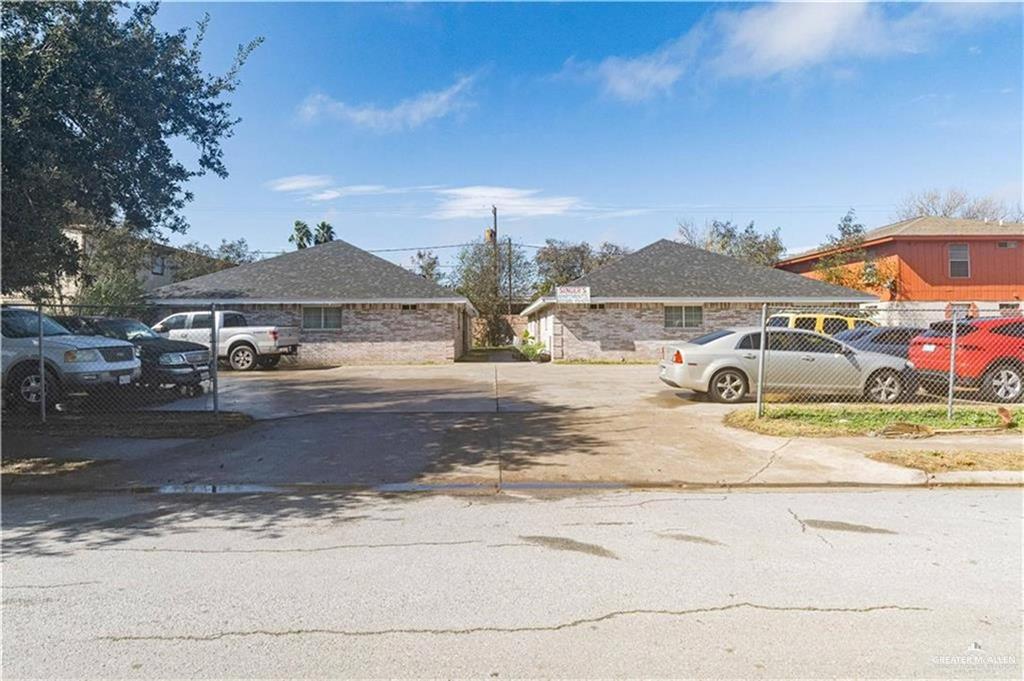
(861, 420)
(940, 462)
(142, 424)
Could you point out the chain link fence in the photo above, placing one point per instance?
(911, 355)
(95, 359)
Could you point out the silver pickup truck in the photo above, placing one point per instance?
(244, 347)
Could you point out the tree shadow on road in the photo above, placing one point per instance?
(357, 448)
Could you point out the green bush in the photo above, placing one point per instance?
(530, 347)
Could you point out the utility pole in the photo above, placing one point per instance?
(509, 276)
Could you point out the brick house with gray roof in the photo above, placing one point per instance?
(669, 291)
(352, 306)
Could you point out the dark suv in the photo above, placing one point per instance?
(164, 361)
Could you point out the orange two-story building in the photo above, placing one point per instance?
(934, 264)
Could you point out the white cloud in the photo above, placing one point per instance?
(651, 74)
(476, 201)
(407, 114)
(770, 40)
(297, 183)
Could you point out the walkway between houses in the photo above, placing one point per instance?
(480, 424)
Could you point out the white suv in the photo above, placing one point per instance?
(72, 362)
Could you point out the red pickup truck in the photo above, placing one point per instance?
(989, 357)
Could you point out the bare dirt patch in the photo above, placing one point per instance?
(963, 460)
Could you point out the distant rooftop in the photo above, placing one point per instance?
(931, 226)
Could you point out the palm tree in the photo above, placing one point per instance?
(301, 236)
(324, 233)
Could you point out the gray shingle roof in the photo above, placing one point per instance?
(335, 271)
(668, 269)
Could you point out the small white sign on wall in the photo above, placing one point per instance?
(572, 294)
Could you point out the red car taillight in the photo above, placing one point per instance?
(273, 334)
(677, 358)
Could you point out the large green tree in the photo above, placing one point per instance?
(196, 259)
(93, 95)
(559, 262)
(492, 276)
(746, 243)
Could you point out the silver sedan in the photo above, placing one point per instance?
(724, 364)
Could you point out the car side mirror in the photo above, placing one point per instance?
(159, 328)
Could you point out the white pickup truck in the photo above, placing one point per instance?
(244, 347)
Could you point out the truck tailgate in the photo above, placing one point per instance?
(287, 335)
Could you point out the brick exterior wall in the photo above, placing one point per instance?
(371, 333)
(629, 331)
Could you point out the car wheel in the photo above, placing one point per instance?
(1003, 383)
(242, 358)
(24, 388)
(884, 387)
(269, 361)
(728, 385)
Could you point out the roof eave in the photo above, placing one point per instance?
(541, 303)
(313, 301)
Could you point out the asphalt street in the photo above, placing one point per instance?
(585, 584)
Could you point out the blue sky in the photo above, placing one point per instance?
(402, 124)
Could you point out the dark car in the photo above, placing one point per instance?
(164, 361)
(889, 340)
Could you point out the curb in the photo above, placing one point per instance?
(249, 489)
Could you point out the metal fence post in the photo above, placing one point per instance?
(952, 369)
(214, 352)
(760, 360)
(42, 366)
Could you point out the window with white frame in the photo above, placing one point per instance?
(316, 317)
(684, 316)
(959, 261)
(157, 265)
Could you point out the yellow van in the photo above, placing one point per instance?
(828, 324)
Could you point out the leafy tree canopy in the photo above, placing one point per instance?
(427, 265)
(559, 262)
(196, 259)
(301, 236)
(93, 94)
(482, 274)
(745, 243)
(324, 233)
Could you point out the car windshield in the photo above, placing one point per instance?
(125, 329)
(25, 324)
(945, 329)
(852, 334)
(713, 336)
(778, 321)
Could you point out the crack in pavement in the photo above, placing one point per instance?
(771, 460)
(47, 586)
(803, 528)
(615, 614)
(318, 549)
(652, 501)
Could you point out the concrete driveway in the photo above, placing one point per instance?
(485, 424)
